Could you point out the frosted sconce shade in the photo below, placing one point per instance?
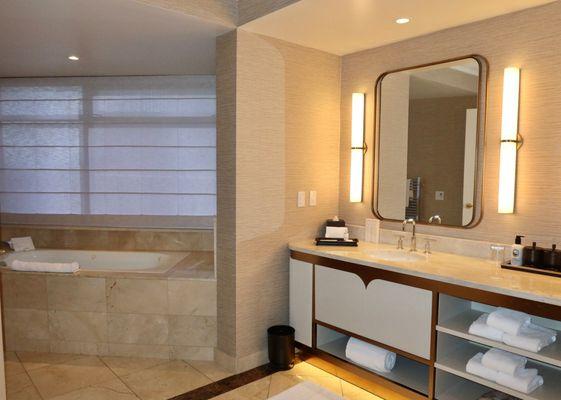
(509, 140)
(358, 147)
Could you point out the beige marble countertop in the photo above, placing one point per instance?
(450, 268)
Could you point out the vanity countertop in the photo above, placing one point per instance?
(471, 272)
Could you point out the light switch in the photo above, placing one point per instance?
(439, 195)
(301, 199)
(313, 198)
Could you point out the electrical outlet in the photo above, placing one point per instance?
(301, 199)
(439, 195)
(313, 198)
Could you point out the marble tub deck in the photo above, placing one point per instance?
(47, 376)
(195, 265)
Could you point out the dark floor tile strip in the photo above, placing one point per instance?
(227, 384)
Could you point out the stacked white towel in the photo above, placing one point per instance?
(32, 266)
(506, 369)
(370, 356)
(514, 329)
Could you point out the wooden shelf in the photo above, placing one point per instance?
(459, 326)
(455, 360)
(408, 373)
(452, 387)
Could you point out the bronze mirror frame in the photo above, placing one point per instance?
(480, 138)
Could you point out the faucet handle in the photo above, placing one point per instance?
(428, 245)
(399, 240)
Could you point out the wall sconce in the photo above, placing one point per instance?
(510, 140)
(358, 147)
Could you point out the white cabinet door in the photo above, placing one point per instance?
(300, 300)
(399, 316)
(339, 298)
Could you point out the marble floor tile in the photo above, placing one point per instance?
(27, 393)
(69, 376)
(33, 360)
(17, 383)
(12, 365)
(123, 366)
(282, 381)
(165, 380)
(258, 390)
(211, 369)
(352, 392)
(111, 390)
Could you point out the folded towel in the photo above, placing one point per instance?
(508, 321)
(33, 266)
(531, 337)
(476, 367)
(525, 382)
(479, 327)
(504, 361)
(370, 356)
(336, 232)
(22, 243)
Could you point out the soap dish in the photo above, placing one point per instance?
(532, 270)
(322, 241)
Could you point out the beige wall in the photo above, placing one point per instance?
(248, 10)
(529, 39)
(437, 129)
(285, 139)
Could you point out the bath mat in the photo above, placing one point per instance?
(306, 391)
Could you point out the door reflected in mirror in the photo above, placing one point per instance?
(429, 143)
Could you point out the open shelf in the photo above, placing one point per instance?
(459, 327)
(454, 354)
(452, 387)
(408, 373)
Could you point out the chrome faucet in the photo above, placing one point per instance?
(5, 247)
(413, 237)
(435, 218)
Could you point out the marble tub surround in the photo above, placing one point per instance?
(165, 318)
(37, 376)
(444, 267)
(113, 239)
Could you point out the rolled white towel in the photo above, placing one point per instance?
(525, 382)
(531, 337)
(476, 367)
(479, 327)
(33, 266)
(508, 321)
(370, 356)
(504, 361)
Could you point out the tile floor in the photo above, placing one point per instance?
(49, 376)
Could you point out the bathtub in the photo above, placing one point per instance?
(104, 261)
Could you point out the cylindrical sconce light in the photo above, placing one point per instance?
(358, 147)
(509, 140)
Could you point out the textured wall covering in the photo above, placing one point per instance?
(529, 39)
(224, 11)
(286, 140)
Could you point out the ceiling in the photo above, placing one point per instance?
(346, 26)
(111, 37)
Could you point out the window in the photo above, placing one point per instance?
(122, 151)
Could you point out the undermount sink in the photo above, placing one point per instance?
(395, 255)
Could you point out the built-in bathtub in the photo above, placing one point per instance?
(159, 304)
(104, 261)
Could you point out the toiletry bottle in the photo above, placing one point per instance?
(516, 256)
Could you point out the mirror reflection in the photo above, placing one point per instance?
(428, 143)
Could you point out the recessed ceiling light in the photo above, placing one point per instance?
(402, 21)
(73, 58)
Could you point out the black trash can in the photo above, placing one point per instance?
(281, 346)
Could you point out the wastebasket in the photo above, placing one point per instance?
(281, 346)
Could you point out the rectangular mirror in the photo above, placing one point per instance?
(429, 143)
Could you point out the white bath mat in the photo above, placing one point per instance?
(306, 391)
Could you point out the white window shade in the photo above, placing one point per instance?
(135, 148)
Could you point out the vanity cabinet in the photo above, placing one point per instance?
(390, 313)
(300, 300)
